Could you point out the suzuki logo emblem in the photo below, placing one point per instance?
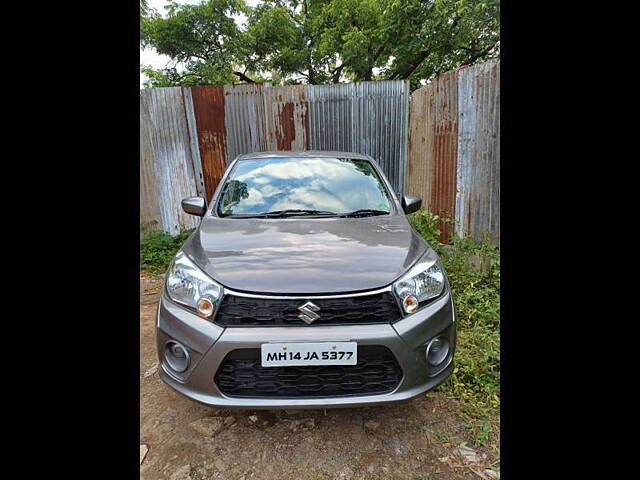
(308, 312)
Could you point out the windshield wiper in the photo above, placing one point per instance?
(295, 212)
(365, 212)
(281, 214)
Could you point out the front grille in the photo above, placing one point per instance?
(237, 311)
(241, 375)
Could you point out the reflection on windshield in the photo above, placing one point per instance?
(234, 192)
(338, 185)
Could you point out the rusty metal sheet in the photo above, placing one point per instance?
(433, 147)
(165, 157)
(209, 113)
(420, 165)
(244, 120)
(287, 120)
(478, 177)
(445, 109)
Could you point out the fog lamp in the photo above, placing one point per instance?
(177, 356)
(410, 304)
(205, 307)
(437, 350)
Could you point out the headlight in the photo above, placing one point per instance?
(423, 282)
(190, 286)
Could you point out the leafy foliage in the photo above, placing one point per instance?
(204, 38)
(281, 41)
(428, 225)
(157, 248)
(473, 269)
(319, 41)
(353, 32)
(429, 37)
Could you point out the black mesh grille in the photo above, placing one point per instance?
(241, 375)
(236, 311)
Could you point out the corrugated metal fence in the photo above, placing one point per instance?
(433, 146)
(447, 140)
(478, 179)
(207, 127)
(454, 149)
(166, 162)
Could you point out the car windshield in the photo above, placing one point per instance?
(303, 186)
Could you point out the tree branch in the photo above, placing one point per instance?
(410, 68)
(335, 73)
(242, 76)
(378, 53)
(422, 56)
(478, 55)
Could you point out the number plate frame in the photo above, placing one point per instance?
(299, 354)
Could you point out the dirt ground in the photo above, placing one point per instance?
(185, 440)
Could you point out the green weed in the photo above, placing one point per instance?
(157, 248)
(473, 269)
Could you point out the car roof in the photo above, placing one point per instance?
(304, 153)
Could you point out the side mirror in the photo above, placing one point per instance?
(194, 206)
(411, 203)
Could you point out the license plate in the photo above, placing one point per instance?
(300, 354)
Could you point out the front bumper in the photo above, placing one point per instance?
(208, 345)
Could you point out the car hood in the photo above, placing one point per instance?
(305, 255)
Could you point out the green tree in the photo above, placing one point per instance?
(353, 32)
(321, 41)
(429, 37)
(284, 40)
(204, 38)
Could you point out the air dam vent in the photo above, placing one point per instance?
(241, 375)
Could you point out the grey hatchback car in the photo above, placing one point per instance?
(304, 286)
